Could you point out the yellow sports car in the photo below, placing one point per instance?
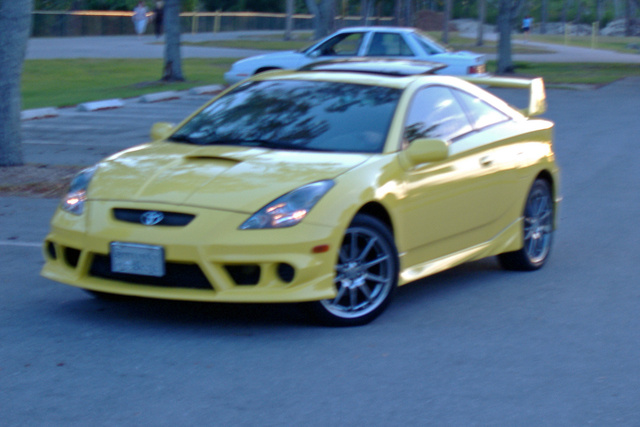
(331, 185)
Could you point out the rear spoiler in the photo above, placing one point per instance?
(537, 97)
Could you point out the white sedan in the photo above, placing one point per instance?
(386, 42)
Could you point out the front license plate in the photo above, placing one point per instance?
(133, 258)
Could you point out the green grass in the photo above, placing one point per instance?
(253, 44)
(618, 44)
(574, 73)
(64, 82)
(275, 42)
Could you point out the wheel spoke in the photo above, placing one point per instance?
(366, 291)
(341, 292)
(367, 249)
(530, 246)
(376, 278)
(353, 250)
(364, 274)
(353, 298)
(376, 261)
(528, 233)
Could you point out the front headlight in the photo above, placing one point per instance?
(290, 209)
(74, 200)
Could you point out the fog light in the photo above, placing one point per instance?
(51, 251)
(286, 272)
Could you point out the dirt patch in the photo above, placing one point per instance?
(36, 180)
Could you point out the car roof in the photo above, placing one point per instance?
(385, 29)
(378, 66)
(366, 77)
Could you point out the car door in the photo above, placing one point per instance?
(448, 205)
(389, 45)
(345, 44)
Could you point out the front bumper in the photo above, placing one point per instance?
(207, 260)
(232, 77)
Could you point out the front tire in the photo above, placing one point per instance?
(537, 231)
(366, 275)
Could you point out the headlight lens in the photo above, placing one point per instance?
(290, 209)
(73, 202)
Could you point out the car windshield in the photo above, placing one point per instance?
(428, 44)
(296, 115)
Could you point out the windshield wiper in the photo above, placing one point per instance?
(263, 143)
(184, 138)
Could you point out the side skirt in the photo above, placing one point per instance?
(510, 239)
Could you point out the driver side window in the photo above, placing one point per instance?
(342, 45)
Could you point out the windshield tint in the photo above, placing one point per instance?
(428, 44)
(296, 115)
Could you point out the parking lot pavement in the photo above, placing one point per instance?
(149, 47)
(471, 346)
(82, 138)
(132, 47)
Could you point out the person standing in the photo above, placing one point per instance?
(140, 18)
(527, 22)
(158, 13)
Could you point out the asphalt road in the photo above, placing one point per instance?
(474, 346)
(149, 47)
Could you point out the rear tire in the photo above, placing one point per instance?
(366, 275)
(537, 231)
(104, 296)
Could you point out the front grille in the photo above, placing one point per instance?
(174, 219)
(177, 275)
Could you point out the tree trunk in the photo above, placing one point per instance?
(482, 17)
(15, 26)
(408, 13)
(629, 14)
(323, 17)
(397, 12)
(447, 20)
(507, 11)
(172, 71)
(600, 10)
(289, 19)
(619, 8)
(366, 10)
(545, 16)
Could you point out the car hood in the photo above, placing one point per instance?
(241, 179)
(270, 59)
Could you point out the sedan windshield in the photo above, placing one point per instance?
(296, 115)
(428, 44)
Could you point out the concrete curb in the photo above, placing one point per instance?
(49, 112)
(159, 96)
(206, 90)
(39, 113)
(101, 105)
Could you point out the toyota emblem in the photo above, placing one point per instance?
(151, 218)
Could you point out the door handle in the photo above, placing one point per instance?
(486, 161)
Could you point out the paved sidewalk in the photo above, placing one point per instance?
(133, 47)
(150, 47)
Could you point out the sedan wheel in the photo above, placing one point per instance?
(366, 275)
(537, 230)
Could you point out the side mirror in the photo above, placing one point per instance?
(161, 130)
(314, 53)
(426, 150)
